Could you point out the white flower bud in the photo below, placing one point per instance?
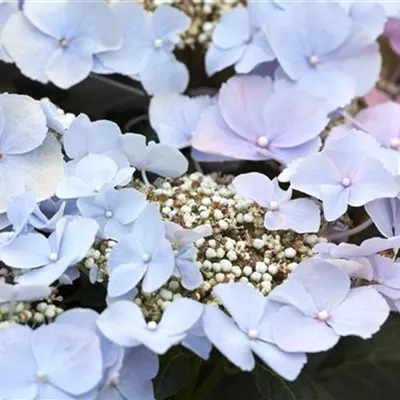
(218, 214)
(165, 294)
(255, 276)
(231, 255)
(258, 244)
(290, 252)
(247, 270)
(226, 265)
(237, 271)
(220, 252)
(273, 269)
(200, 242)
(206, 201)
(210, 253)
(248, 218)
(41, 307)
(220, 277)
(223, 225)
(217, 267)
(38, 317)
(267, 277)
(261, 267)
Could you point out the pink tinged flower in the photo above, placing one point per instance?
(320, 307)
(300, 215)
(250, 122)
(340, 180)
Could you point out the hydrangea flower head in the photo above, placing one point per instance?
(325, 53)
(237, 40)
(89, 175)
(249, 330)
(144, 254)
(57, 42)
(300, 215)
(147, 50)
(250, 122)
(123, 323)
(48, 258)
(320, 307)
(30, 161)
(54, 361)
(114, 210)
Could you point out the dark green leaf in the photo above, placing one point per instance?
(273, 387)
(174, 374)
(365, 369)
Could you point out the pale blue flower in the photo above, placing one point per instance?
(6, 10)
(123, 323)
(30, 161)
(130, 378)
(89, 175)
(17, 293)
(300, 215)
(154, 157)
(386, 215)
(325, 52)
(320, 307)
(56, 43)
(249, 330)
(103, 137)
(238, 40)
(182, 241)
(144, 254)
(114, 210)
(52, 362)
(197, 341)
(174, 117)
(46, 259)
(147, 50)
(56, 119)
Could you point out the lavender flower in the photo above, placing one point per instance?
(114, 210)
(300, 215)
(326, 54)
(248, 331)
(339, 180)
(48, 258)
(145, 254)
(54, 43)
(249, 122)
(386, 215)
(320, 307)
(123, 323)
(54, 361)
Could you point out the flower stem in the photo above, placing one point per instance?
(144, 177)
(349, 118)
(352, 231)
(118, 85)
(211, 381)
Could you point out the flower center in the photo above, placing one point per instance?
(323, 315)
(262, 141)
(158, 42)
(63, 42)
(152, 326)
(346, 182)
(41, 376)
(395, 143)
(146, 257)
(253, 334)
(108, 214)
(313, 60)
(53, 257)
(273, 205)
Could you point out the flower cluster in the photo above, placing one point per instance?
(254, 264)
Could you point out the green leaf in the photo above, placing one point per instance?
(273, 387)
(174, 374)
(365, 369)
